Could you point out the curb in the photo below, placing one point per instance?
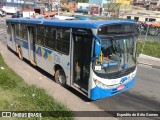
(149, 57)
(153, 66)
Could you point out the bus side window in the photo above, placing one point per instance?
(23, 31)
(63, 40)
(8, 28)
(17, 29)
(50, 37)
(40, 35)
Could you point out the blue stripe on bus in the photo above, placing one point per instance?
(22, 43)
(72, 23)
(98, 93)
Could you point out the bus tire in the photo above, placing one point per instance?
(20, 55)
(60, 77)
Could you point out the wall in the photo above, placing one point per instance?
(124, 1)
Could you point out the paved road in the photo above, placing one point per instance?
(144, 96)
(2, 30)
(2, 24)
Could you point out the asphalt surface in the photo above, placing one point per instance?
(144, 96)
(2, 30)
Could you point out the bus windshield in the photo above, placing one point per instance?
(117, 54)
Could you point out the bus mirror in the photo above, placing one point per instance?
(97, 49)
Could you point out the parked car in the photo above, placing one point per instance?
(84, 11)
(2, 13)
(17, 14)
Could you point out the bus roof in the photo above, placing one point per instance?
(69, 23)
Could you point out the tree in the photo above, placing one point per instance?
(113, 9)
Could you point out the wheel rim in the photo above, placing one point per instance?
(61, 79)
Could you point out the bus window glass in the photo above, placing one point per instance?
(9, 28)
(23, 32)
(17, 30)
(47, 31)
(40, 35)
(116, 29)
(50, 37)
(63, 40)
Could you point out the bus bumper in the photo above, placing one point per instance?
(98, 93)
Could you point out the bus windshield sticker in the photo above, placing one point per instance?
(97, 67)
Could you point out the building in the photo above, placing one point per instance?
(20, 3)
(99, 2)
(154, 2)
(2, 3)
(148, 4)
(141, 3)
(154, 5)
(128, 2)
(142, 15)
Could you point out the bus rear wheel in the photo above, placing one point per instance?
(60, 77)
(20, 55)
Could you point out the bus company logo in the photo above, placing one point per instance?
(6, 114)
(123, 80)
(42, 52)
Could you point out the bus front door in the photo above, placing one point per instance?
(13, 37)
(81, 61)
(31, 44)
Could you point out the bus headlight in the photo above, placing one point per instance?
(131, 76)
(100, 84)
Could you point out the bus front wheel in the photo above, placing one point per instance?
(60, 77)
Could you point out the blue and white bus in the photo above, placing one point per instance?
(97, 58)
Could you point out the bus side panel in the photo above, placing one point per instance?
(9, 41)
(47, 59)
(44, 58)
(100, 89)
(24, 46)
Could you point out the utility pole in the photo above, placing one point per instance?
(48, 8)
(58, 6)
(145, 39)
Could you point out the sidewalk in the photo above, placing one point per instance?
(32, 76)
(148, 60)
(6, 17)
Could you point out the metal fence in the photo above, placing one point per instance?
(149, 41)
(149, 33)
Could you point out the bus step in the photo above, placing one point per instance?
(33, 63)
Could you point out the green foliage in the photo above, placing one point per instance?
(6, 82)
(16, 95)
(150, 48)
(112, 7)
(82, 1)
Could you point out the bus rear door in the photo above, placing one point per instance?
(31, 44)
(13, 37)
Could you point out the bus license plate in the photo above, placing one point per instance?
(120, 88)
